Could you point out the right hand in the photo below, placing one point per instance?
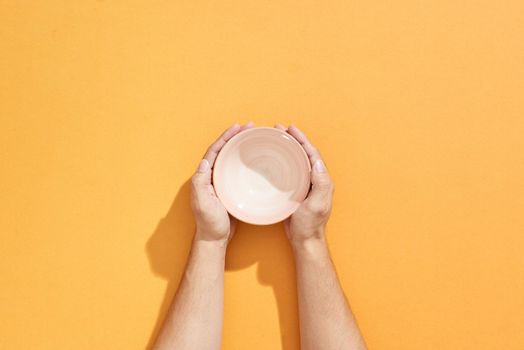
(308, 222)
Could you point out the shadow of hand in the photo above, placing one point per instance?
(168, 248)
(269, 248)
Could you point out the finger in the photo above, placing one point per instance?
(321, 194)
(322, 185)
(280, 127)
(249, 125)
(201, 179)
(212, 151)
(311, 151)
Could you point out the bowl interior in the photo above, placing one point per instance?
(261, 175)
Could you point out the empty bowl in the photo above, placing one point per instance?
(261, 175)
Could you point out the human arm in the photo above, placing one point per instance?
(194, 319)
(326, 320)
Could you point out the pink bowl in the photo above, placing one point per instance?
(261, 175)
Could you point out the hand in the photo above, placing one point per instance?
(308, 222)
(213, 223)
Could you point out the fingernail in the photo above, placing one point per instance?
(319, 166)
(203, 167)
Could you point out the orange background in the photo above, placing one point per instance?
(107, 106)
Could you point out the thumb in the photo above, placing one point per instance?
(322, 186)
(202, 178)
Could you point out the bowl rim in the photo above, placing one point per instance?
(229, 145)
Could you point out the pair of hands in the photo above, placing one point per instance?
(213, 223)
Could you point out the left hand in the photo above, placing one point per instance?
(213, 223)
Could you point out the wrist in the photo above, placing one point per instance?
(300, 237)
(208, 240)
(208, 259)
(310, 247)
(209, 248)
(211, 237)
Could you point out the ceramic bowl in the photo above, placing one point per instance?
(261, 175)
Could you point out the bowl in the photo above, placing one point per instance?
(261, 175)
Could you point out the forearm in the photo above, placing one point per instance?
(194, 320)
(326, 321)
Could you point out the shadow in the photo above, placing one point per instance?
(168, 248)
(269, 248)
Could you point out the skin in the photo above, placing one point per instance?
(326, 320)
(194, 320)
